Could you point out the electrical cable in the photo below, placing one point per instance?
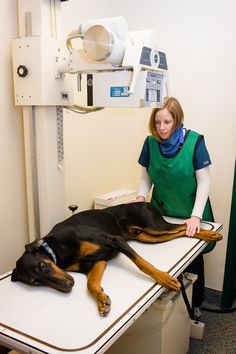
(186, 301)
(208, 223)
(233, 309)
(203, 308)
(82, 109)
(217, 310)
(73, 35)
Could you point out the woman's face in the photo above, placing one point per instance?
(164, 123)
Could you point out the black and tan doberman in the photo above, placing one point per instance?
(86, 241)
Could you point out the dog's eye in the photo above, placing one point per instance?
(43, 267)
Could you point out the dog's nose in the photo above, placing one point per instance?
(69, 283)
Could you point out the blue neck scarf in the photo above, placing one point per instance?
(175, 141)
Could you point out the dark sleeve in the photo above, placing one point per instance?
(144, 157)
(201, 156)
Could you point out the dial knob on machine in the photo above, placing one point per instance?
(22, 70)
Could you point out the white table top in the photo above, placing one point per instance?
(43, 320)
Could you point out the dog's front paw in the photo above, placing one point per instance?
(104, 306)
(171, 283)
(166, 280)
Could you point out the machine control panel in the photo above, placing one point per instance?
(153, 58)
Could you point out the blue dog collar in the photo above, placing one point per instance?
(49, 251)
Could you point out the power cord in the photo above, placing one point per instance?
(222, 310)
(188, 306)
(203, 308)
(217, 310)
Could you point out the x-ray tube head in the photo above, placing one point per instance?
(105, 40)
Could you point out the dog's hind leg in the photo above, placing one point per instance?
(153, 236)
(94, 286)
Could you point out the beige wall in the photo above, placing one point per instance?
(101, 149)
(198, 37)
(13, 214)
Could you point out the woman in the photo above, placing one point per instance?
(175, 162)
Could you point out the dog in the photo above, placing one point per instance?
(86, 241)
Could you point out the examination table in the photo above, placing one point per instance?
(43, 320)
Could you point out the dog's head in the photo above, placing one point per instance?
(34, 267)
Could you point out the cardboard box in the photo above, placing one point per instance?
(115, 197)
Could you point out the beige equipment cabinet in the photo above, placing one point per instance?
(163, 329)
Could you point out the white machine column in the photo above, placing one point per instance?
(44, 172)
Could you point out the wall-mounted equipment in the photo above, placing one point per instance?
(111, 67)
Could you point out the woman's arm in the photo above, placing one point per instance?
(202, 193)
(203, 186)
(145, 185)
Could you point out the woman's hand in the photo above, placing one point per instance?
(193, 225)
(140, 198)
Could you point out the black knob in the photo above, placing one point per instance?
(73, 207)
(22, 70)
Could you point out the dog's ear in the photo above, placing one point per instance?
(14, 275)
(33, 246)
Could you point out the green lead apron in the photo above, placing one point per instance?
(174, 181)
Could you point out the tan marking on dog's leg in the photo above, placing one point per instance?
(152, 232)
(143, 237)
(87, 248)
(205, 235)
(162, 278)
(171, 231)
(94, 286)
(73, 268)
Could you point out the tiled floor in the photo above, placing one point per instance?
(220, 329)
